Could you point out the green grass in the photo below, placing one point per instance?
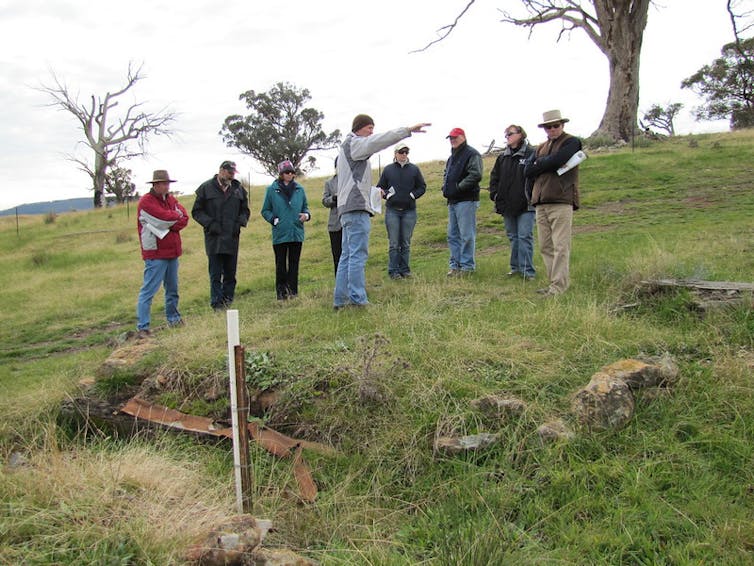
(673, 487)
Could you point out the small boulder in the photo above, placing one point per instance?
(231, 543)
(605, 403)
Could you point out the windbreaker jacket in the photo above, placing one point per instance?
(221, 215)
(463, 172)
(277, 206)
(165, 210)
(407, 184)
(355, 170)
(508, 182)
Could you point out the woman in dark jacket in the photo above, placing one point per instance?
(286, 209)
(508, 191)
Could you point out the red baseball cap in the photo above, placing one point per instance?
(455, 132)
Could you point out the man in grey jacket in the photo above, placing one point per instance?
(354, 204)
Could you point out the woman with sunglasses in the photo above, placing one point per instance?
(286, 209)
(507, 191)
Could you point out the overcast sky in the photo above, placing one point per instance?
(199, 55)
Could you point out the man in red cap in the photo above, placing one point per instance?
(460, 187)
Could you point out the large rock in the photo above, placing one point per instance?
(605, 403)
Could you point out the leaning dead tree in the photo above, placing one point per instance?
(111, 134)
(616, 27)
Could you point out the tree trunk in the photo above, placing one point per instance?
(621, 25)
(98, 180)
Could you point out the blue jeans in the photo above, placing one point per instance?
(462, 234)
(400, 227)
(520, 231)
(156, 273)
(350, 281)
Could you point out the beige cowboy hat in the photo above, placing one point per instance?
(161, 175)
(550, 117)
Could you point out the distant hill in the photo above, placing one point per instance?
(56, 206)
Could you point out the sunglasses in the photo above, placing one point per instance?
(403, 152)
(509, 134)
(289, 172)
(552, 126)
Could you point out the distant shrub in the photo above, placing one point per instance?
(50, 217)
(38, 259)
(123, 237)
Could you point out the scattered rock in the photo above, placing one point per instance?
(126, 356)
(605, 403)
(459, 444)
(553, 431)
(495, 406)
(231, 543)
(17, 460)
(265, 557)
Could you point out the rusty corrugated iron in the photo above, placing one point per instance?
(274, 442)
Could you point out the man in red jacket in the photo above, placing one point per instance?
(160, 219)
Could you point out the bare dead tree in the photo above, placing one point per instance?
(616, 27)
(111, 136)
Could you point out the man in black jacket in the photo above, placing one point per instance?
(222, 208)
(460, 187)
(401, 183)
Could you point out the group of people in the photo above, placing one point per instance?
(527, 184)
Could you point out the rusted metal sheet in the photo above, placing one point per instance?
(306, 486)
(274, 442)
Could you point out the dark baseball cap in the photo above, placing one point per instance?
(229, 166)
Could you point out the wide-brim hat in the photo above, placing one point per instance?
(551, 117)
(161, 176)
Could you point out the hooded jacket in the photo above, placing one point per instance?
(282, 210)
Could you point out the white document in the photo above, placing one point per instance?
(160, 233)
(375, 198)
(576, 158)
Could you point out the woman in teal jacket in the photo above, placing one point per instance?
(286, 209)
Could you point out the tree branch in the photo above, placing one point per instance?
(445, 29)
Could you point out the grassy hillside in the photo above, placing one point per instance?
(676, 486)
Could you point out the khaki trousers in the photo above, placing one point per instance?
(554, 232)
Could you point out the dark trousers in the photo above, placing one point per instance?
(222, 279)
(336, 245)
(286, 269)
